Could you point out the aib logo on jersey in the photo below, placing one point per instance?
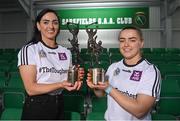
(62, 56)
(136, 75)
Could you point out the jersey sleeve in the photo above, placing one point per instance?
(151, 80)
(70, 61)
(26, 56)
(109, 72)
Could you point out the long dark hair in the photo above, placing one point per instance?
(37, 35)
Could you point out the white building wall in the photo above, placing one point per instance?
(176, 29)
(12, 29)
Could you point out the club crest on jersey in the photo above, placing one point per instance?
(62, 56)
(116, 72)
(136, 75)
(42, 54)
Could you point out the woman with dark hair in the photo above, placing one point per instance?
(44, 65)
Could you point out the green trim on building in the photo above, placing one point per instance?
(107, 18)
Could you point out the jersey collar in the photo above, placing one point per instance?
(48, 46)
(134, 64)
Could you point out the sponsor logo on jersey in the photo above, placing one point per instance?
(116, 72)
(127, 94)
(129, 71)
(52, 53)
(42, 54)
(62, 56)
(136, 75)
(52, 70)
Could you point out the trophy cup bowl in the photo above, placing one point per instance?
(98, 75)
(73, 74)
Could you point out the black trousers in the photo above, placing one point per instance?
(43, 107)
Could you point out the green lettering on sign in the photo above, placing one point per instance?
(106, 18)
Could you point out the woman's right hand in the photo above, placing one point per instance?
(99, 86)
(98, 90)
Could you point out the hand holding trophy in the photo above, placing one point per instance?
(96, 75)
(75, 75)
(97, 81)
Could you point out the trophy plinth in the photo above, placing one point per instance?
(98, 75)
(73, 74)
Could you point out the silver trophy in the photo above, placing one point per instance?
(74, 30)
(98, 75)
(73, 74)
(94, 47)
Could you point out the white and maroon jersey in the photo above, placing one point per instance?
(142, 78)
(52, 64)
